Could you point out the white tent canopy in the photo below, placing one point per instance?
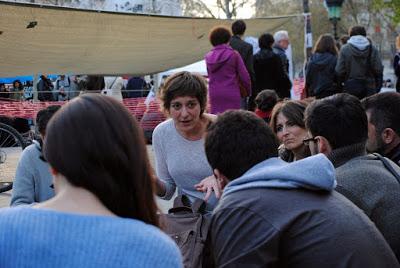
(75, 41)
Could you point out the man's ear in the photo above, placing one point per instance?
(388, 135)
(323, 144)
(221, 178)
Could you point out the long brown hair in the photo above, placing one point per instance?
(98, 145)
(325, 43)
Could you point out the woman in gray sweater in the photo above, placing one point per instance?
(178, 142)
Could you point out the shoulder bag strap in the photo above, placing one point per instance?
(388, 166)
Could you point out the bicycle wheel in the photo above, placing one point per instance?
(11, 146)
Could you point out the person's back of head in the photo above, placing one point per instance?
(339, 118)
(238, 27)
(96, 144)
(237, 141)
(357, 30)
(43, 117)
(266, 41)
(325, 44)
(219, 35)
(266, 100)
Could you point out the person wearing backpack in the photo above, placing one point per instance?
(278, 214)
(359, 66)
(321, 80)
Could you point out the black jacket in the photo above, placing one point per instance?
(264, 227)
(321, 79)
(282, 55)
(269, 73)
(45, 88)
(246, 52)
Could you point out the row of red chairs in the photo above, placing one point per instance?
(149, 116)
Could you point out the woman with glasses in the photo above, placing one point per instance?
(287, 121)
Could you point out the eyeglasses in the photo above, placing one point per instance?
(306, 142)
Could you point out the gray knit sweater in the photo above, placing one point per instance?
(367, 183)
(180, 163)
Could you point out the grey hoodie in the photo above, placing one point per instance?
(353, 62)
(313, 173)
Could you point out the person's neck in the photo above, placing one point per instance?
(197, 132)
(300, 152)
(343, 154)
(388, 150)
(239, 36)
(76, 200)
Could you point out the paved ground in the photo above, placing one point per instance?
(12, 160)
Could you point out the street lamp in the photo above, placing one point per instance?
(334, 9)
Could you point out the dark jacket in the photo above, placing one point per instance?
(282, 55)
(269, 73)
(367, 183)
(138, 86)
(45, 88)
(320, 75)
(359, 59)
(396, 68)
(266, 223)
(246, 52)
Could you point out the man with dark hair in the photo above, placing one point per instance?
(33, 180)
(246, 52)
(383, 112)
(278, 214)
(338, 128)
(359, 65)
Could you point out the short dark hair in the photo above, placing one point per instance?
(266, 40)
(385, 111)
(237, 141)
(238, 27)
(266, 100)
(219, 35)
(43, 117)
(293, 110)
(357, 30)
(98, 145)
(344, 39)
(20, 87)
(339, 118)
(326, 43)
(184, 84)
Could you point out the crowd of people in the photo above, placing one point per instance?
(300, 183)
(66, 87)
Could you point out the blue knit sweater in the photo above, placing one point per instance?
(33, 237)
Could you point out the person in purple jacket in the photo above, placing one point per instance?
(226, 72)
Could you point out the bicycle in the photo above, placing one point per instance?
(12, 144)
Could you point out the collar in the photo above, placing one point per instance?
(394, 154)
(341, 155)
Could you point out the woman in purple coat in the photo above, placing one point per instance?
(226, 72)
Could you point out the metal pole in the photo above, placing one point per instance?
(308, 33)
(334, 22)
(35, 89)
